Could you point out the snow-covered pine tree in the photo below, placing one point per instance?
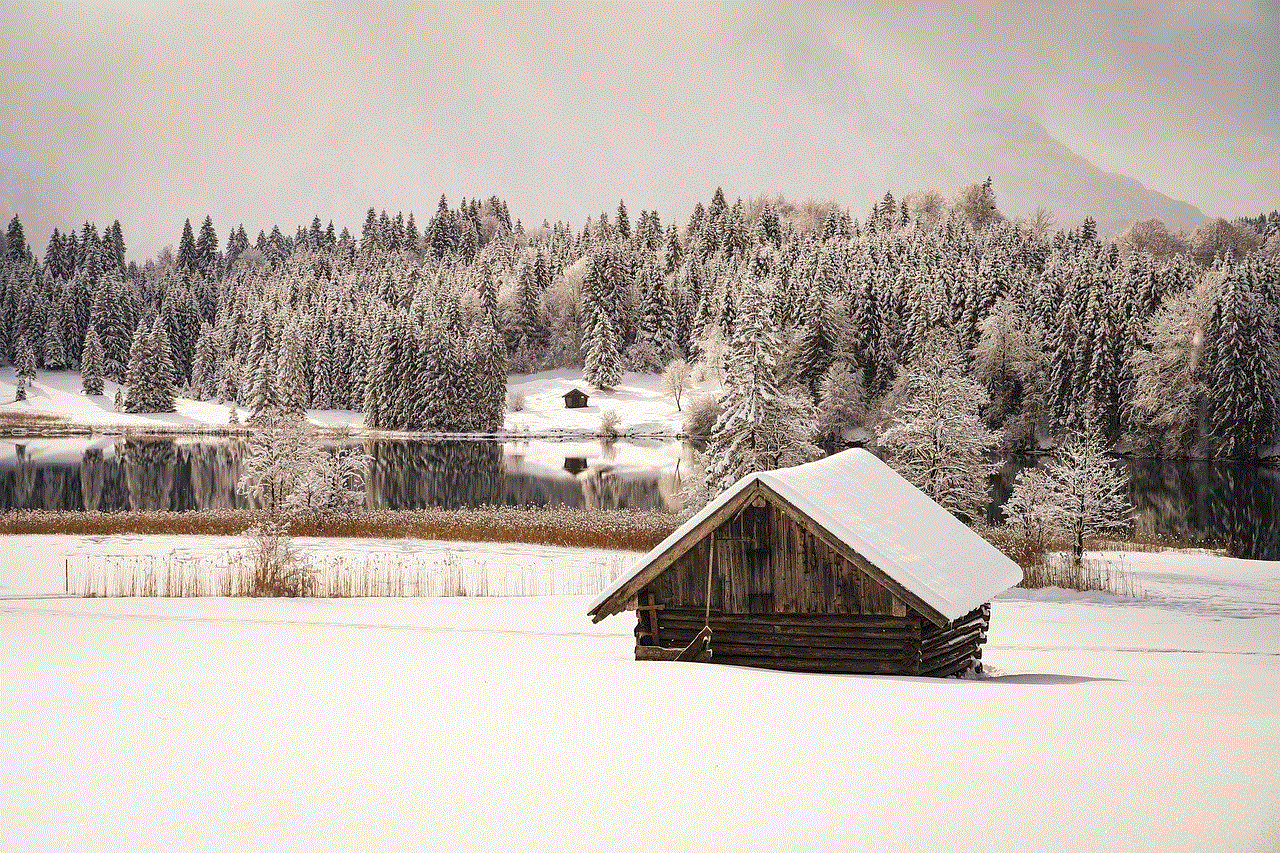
(1008, 361)
(814, 349)
(531, 327)
(441, 366)
(188, 261)
(374, 399)
(159, 380)
(493, 378)
(260, 392)
(1241, 367)
(136, 376)
(204, 366)
(26, 359)
(868, 345)
(658, 319)
(182, 325)
(54, 351)
(111, 316)
(602, 366)
(624, 221)
(760, 428)
(206, 249)
(91, 364)
(322, 371)
(934, 436)
(291, 379)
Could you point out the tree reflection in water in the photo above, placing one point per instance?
(1232, 505)
(181, 474)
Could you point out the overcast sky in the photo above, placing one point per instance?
(151, 114)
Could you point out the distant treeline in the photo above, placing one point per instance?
(1165, 343)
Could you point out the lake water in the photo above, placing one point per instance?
(1235, 505)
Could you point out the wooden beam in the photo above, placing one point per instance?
(618, 601)
(650, 607)
(841, 548)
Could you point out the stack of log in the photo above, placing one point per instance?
(810, 643)
(956, 646)
(826, 642)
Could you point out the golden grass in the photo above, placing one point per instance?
(624, 530)
(11, 419)
(1048, 563)
(627, 530)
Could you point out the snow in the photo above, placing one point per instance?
(59, 394)
(39, 564)
(502, 724)
(644, 409)
(864, 503)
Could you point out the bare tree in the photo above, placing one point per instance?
(1153, 237)
(976, 204)
(1221, 238)
(1086, 493)
(676, 379)
(925, 207)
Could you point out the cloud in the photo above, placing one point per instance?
(267, 115)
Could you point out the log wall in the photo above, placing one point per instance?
(813, 643)
(956, 646)
(823, 643)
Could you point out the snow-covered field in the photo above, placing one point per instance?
(642, 407)
(516, 724)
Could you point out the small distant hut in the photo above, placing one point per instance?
(575, 399)
(839, 565)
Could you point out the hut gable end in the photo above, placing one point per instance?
(844, 522)
(763, 559)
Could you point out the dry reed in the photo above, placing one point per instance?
(434, 575)
(627, 530)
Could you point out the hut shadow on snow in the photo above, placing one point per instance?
(1042, 678)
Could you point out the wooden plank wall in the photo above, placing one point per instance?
(764, 562)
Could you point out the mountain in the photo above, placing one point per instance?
(835, 135)
(1030, 168)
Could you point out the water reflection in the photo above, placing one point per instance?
(179, 474)
(1236, 505)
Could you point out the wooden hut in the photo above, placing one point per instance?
(575, 399)
(839, 565)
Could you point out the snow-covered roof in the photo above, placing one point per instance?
(897, 528)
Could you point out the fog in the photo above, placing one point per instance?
(151, 114)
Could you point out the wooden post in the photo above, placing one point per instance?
(652, 607)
